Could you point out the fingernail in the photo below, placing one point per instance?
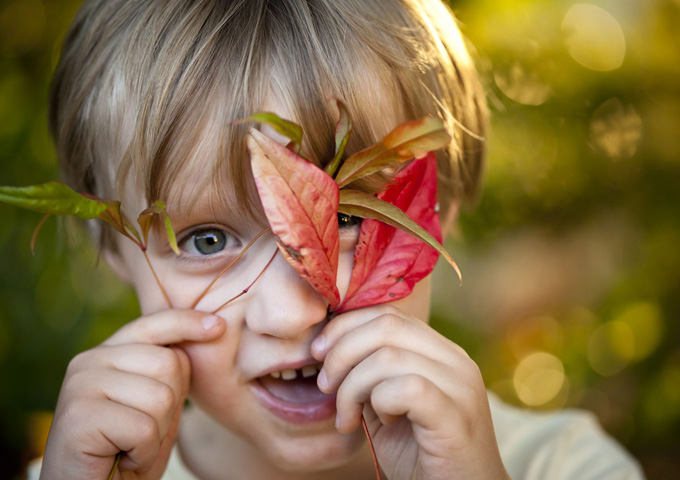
(321, 380)
(319, 344)
(337, 421)
(209, 322)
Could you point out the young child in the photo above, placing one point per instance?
(143, 107)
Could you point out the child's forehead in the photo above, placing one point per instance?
(207, 188)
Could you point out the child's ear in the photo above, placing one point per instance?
(449, 220)
(116, 263)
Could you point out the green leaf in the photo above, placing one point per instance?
(114, 217)
(360, 204)
(54, 198)
(145, 218)
(284, 127)
(408, 140)
(343, 130)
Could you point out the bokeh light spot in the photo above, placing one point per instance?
(611, 347)
(615, 129)
(522, 85)
(538, 378)
(594, 38)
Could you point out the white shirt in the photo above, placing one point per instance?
(562, 445)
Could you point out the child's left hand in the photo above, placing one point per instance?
(423, 398)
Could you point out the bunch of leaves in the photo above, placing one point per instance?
(400, 237)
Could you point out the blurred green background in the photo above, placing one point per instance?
(571, 260)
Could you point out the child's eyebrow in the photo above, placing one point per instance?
(211, 207)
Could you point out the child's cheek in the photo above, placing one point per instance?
(213, 371)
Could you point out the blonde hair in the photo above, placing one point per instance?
(151, 88)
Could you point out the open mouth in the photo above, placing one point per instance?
(293, 395)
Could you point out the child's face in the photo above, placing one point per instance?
(269, 329)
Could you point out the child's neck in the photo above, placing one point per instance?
(225, 456)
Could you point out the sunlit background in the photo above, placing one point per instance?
(571, 260)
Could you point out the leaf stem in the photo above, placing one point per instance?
(245, 290)
(158, 280)
(370, 442)
(238, 257)
(35, 233)
(115, 465)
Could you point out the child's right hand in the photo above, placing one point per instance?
(126, 395)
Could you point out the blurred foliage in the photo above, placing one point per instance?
(571, 260)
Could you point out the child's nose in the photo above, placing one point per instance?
(285, 304)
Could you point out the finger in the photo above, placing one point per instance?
(343, 323)
(404, 394)
(391, 317)
(168, 365)
(122, 428)
(387, 330)
(167, 327)
(390, 362)
(156, 399)
(167, 444)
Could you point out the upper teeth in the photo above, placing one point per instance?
(292, 373)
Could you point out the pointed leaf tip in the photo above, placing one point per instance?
(407, 141)
(343, 132)
(291, 130)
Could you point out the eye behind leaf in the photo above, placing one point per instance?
(348, 221)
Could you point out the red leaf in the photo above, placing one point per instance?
(389, 262)
(301, 203)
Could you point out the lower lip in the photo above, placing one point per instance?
(297, 413)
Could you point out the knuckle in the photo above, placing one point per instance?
(168, 364)
(75, 381)
(79, 362)
(415, 386)
(165, 398)
(389, 355)
(472, 372)
(389, 323)
(147, 430)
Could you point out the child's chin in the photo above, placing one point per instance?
(317, 455)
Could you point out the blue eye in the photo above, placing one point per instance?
(347, 221)
(206, 242)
